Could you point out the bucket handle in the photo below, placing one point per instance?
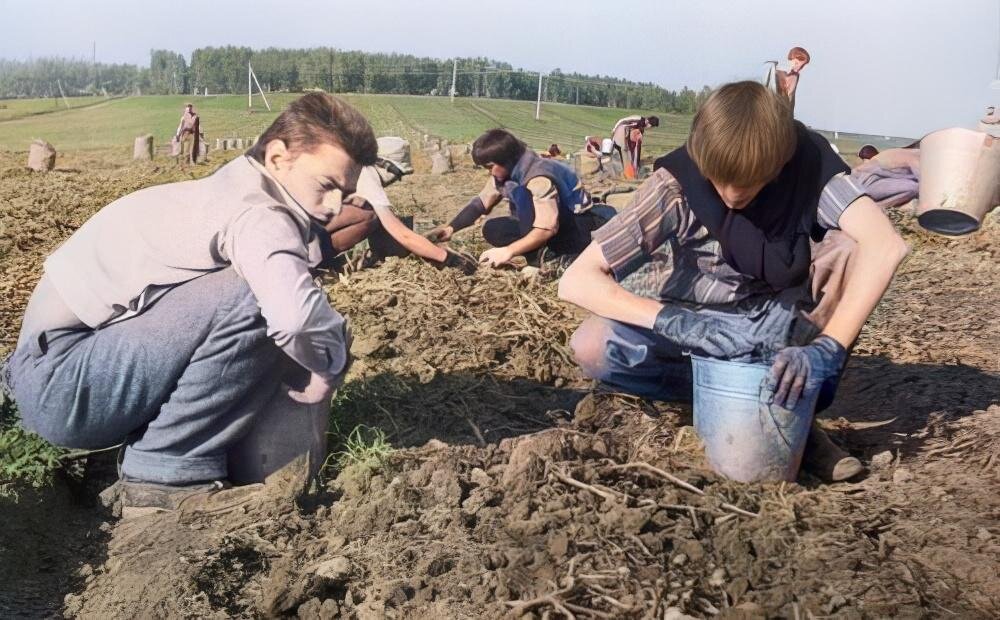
(765, 403)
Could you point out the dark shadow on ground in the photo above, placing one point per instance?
(47, 536)
(919, 396)
(461, 408)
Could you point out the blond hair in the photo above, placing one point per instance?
(742, 135)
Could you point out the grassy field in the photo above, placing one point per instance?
(115, 123)
(20, 108)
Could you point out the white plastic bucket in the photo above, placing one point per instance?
(959, 176)
(607, 145)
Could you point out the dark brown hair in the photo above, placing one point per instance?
(867, 151)
(319, 118)
(497, 146)
(742, 135)
(800, 53)
(653, 121)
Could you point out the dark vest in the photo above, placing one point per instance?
(769, 239)
(572, 197)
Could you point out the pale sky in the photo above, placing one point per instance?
(890, 67)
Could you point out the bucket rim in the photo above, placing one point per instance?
(714, 360)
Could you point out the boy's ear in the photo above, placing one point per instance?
(276, 154)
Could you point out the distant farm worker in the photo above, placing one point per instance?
(592, 146)
(553, 152)
(713, 256)
(990, 123)
(866, 152)
(368, 214)
(172, 337)
(189, 134)
(549, 208)
(627, 136)
(785, 81)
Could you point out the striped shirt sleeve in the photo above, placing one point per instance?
(838, 194)
(630, 238)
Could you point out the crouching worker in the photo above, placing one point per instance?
(549, 208)
(713, 256)
(368, 214)
(167, 319)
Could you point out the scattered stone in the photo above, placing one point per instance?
(882, 460)
(679, 560)
(718, 577)
(901, 475)
(41, 156)
(983, 534)
(142, 148)
(333, 571)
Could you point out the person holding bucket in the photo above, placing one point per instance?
(737, 248)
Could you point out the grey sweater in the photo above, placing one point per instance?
(141, 245)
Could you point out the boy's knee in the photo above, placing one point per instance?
(590, 345)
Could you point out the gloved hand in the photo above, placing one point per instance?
(804, 368)
(694, 330)
(459, 260)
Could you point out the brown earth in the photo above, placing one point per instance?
(500, 501)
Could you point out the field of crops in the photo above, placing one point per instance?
(116, 122)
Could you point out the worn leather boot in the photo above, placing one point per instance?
(134, 498)
(826, 460)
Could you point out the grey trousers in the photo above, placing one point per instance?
(181, 382)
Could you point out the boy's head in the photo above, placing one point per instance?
(740, 139)
(799, 57)
(867, 152)
(317, 145)
(653, 121)
(499, 150)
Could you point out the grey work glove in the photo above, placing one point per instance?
(705, 335)
(804, 368)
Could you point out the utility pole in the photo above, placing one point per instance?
(577, 94)
(538, 103)
(249, 86)
(454, 75)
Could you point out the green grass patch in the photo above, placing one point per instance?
(26, 460)
(353, 445)
(20, 108)
(365, 449)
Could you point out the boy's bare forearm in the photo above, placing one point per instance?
(588, 283)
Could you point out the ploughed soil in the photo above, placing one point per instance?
(515, 489)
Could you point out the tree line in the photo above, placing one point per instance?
(224, 70)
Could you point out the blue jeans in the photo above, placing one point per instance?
(632, 359)
(181, 382)
(638, 361)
